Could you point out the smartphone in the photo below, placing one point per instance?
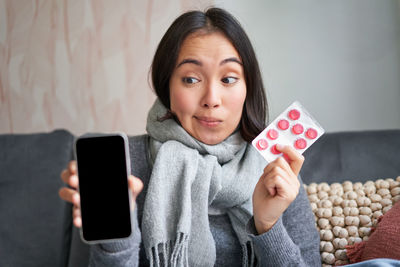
(103, 166)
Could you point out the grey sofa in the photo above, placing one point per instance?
(36, 226)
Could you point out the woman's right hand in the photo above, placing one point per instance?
(71, 194)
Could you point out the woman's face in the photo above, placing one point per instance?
(207, 87)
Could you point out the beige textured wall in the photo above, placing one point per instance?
(80, 65)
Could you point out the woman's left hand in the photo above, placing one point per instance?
(277, 187)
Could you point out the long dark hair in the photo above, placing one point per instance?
(254, 115)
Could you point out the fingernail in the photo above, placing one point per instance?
(73, 180)
(279, 146)
(75, 198)
(78, 222)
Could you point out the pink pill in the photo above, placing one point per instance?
(300, 143)
(283, 124)
(294, 114)
(297, 128)
(311, 133)
(285, 156)
(274, 150)
(262, 144)
(272, 134)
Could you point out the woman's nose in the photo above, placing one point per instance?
(211, 97)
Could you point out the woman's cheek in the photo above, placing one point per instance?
(182, 103)
(237, 99)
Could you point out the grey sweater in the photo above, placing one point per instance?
(292, 241)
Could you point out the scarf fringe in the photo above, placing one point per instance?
(178, 256)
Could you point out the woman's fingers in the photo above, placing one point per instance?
(136, 185)
(66, 194)
(78, 222)
(277, 185)
(65, 176)
(296, 160)
(76, 212)
(69, 175)
(70, 195)
(77, 217)
(281, 163)
(76, 199)
(72, 167)
(71, 180)
(278, 171)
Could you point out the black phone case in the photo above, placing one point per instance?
(128, 169)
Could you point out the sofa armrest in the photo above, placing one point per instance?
(31, 212)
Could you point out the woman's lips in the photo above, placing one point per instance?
(209, 121)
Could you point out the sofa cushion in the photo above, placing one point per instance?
(346, 214)
(31, 212)
(357, 156)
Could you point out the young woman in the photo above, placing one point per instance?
(209, 198)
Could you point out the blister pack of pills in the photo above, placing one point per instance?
(294, 127)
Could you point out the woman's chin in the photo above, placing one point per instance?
(210, 139)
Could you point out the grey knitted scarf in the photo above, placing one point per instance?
(189, 178)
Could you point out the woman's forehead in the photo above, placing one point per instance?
(214, 43)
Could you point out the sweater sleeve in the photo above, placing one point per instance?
(293, 240)
(123, 252)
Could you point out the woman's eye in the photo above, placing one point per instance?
(229, 80)
(190, 80)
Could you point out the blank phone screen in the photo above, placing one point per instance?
(103, 188)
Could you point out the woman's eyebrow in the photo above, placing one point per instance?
(189, 60)
(198, 63)
(231, 59)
